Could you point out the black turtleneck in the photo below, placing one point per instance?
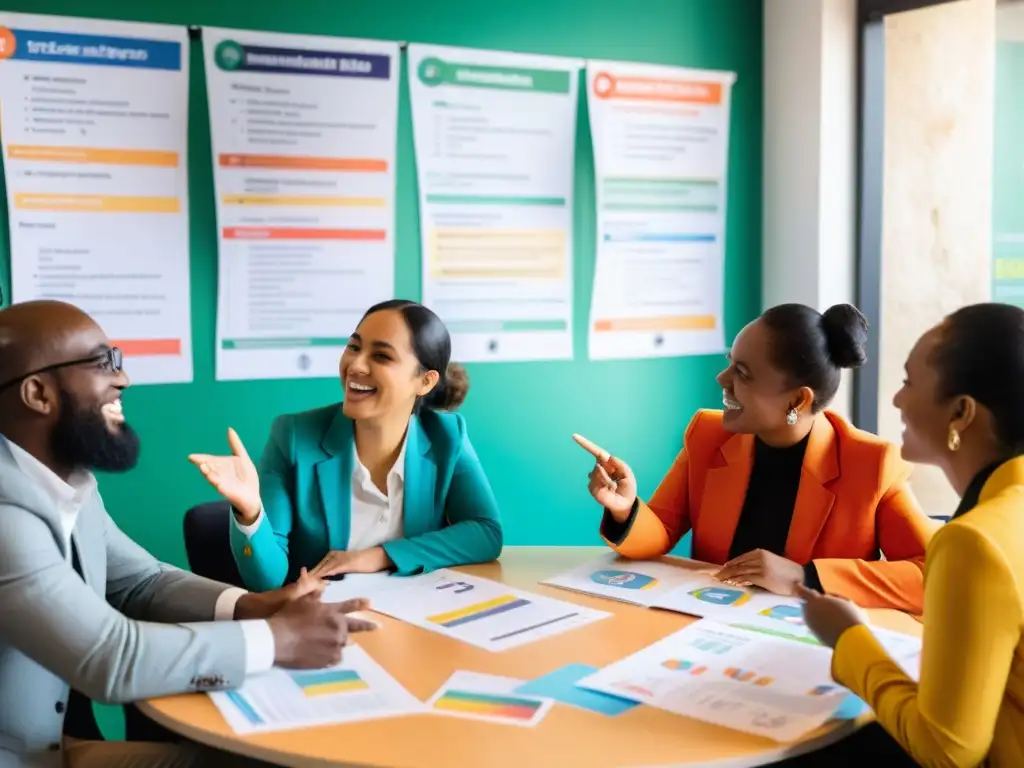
(767, 508)
(973, 493)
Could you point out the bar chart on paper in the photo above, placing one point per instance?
(357, 689)
(480, 612)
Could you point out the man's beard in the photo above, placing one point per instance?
(82, 439)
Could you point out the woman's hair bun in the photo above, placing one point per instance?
(846, 331)
(450, 391)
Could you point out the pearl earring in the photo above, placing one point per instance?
(791, 417)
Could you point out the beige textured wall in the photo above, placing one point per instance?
(936, 240)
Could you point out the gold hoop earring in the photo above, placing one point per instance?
(953, 441)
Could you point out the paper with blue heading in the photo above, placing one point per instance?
(304, 131)
(95, 143)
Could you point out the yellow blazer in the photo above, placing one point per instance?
(970, 701)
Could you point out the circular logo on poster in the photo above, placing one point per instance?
(229, 55)
(431, 71)
(603, 84)
(8, 43)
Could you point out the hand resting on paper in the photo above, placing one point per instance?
(337, 563)
(612, 482)
(763, 569)
(828, 617)
(235, 478)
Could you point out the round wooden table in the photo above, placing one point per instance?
(422, 661)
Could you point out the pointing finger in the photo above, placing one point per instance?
(592, 448)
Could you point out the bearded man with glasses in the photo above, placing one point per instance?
(84, 607)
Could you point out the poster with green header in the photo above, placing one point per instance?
(1008, 176)
(495, 138)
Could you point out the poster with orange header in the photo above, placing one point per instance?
(661, 146)
(95, 141)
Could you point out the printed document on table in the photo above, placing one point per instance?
(730, 677)
(495, 137)
(641, 582)
(358, 585)
(478, 611)
(357, 689)
(304, 131)
(490, 698)
(661, 150)
(95, 144)
(687, 586)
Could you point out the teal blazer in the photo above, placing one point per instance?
(450, 513)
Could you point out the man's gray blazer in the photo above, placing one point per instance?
(133, 629)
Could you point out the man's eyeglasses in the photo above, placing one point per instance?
(110, 361)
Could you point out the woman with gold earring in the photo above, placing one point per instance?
(962, 407)
(778, 490)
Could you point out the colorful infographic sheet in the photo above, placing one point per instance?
(490, 698)
(304, 131)
(687, 586)
(94, 127)
(479, 611)
(661, 144)
(357, 689)
(730, 677)
(495, 154)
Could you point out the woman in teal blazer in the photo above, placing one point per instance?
(387, 480)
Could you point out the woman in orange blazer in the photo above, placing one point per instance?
(776, 489)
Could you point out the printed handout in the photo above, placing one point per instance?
(731, 677)
(355, 585)
(490, 698)
(357, 689)
(686, 586)
(478, 611)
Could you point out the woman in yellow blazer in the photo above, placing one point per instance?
(963, 411)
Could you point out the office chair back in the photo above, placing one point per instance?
(208, 545)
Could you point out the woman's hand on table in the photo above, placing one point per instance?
(612, 482)
(763, 569)
(337, 563)
(235, 478)
(828, 617)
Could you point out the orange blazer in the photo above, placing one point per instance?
(853, 501)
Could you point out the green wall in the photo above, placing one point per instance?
(521, 416)
(1008, 176)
